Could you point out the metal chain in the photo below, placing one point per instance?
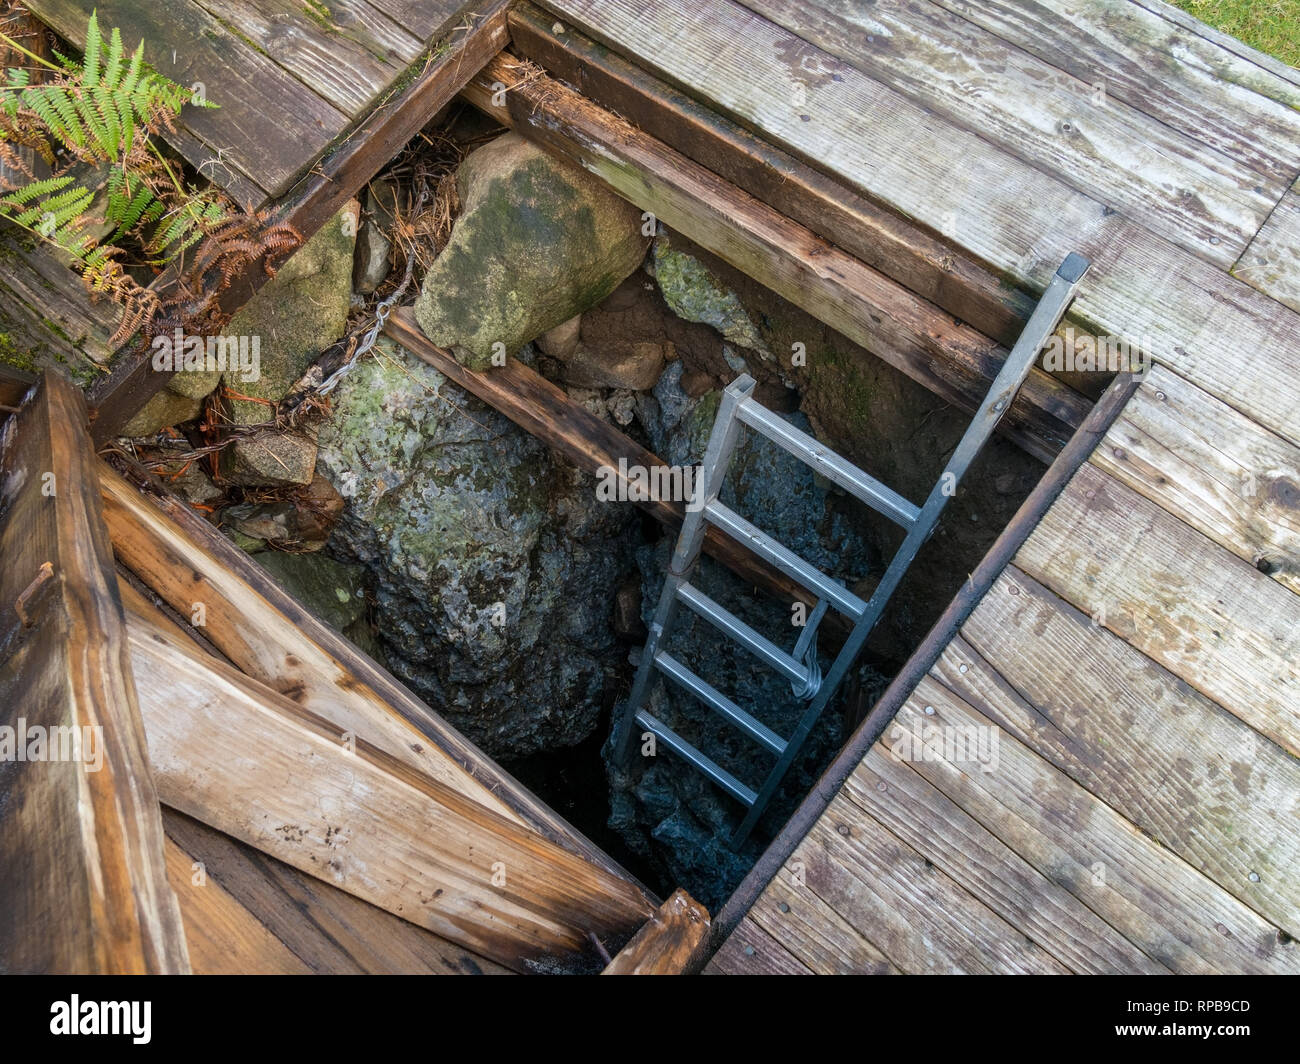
(382, 310)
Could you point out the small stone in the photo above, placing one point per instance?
(695, 383)
(272, 457)
(636, 366)
(1254, 877)
(627, 611)
(783, 907)
(371, 264)
(562, 341)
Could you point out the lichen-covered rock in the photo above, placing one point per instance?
(695, 293)
(296, 315)
(332, 590)
(537, 241)
(493, 564)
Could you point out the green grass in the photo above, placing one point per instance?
(1272, 26)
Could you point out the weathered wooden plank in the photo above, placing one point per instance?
(345, 51)
(1204, 614)
(890, 787)
(82, 871)
(918, 916)
(1212, 468)
(749, 950)
(1213, 329)
(880, 238)
(1272, 262)
(430, 19)
(951, 359)
(1191, 776)
(1179, 917)
(1194, 86)
(1272, 77)
(275, 640)
(269, 126)
(327, 930)
(47, 318)
(253, 764)
(539, 407)
(671, 942)
(326, 188)
(1043, 115)
(224, 938)
(814, 932)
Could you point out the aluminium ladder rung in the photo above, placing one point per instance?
(742, 633)
(719, 703)
(826, 462)
(780, 556)
(708, 767)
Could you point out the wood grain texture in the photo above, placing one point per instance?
(671, 942)
(1039, 113)
(1212, 468)
(1173, 914)
(346, 51)
(269, 125)
(326, 930)
(1272, 77)
(1271, 263)
(1197, 87)
(932, 269)
(1204, 614)
(919, 917)
(813, 931)
(1178, 767)
(254, 765)
(224, 937)
(894, 791)
(1016, 219)
(750, 950)
(82, 872)
(915, 337)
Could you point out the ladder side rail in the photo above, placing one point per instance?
(708, 482)
(1042, 323)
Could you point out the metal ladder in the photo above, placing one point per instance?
(800, 666)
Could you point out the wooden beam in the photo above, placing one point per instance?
(539, 407)
(83, 880)
(672, 942)
(883, 240)
(911, 334)
(342, 936)
(273, 639)
(322, 192)
(254, 764)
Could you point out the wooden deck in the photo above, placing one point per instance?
(1136, 654)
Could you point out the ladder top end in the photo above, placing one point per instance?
(742, 386)
(1073, 268)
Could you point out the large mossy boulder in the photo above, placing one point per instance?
(538, 240)
(493, 564)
